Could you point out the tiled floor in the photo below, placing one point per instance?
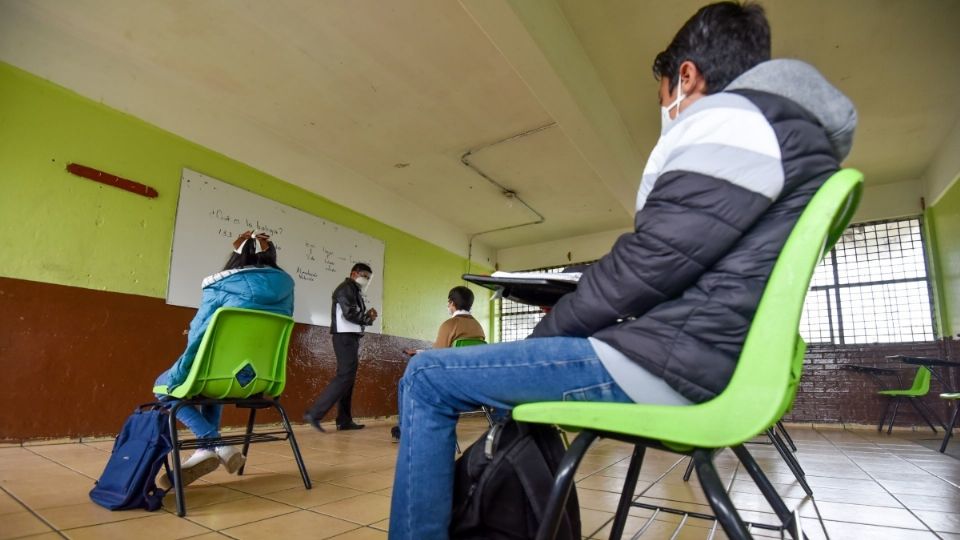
(866, 486)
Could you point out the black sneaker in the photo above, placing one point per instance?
(313, 421)
(350, 426)
(395, 433)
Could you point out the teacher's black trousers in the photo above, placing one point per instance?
(340, 390)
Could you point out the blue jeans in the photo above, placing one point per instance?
(439, 384)
(202, 420)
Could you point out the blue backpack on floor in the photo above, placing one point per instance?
(128, 480)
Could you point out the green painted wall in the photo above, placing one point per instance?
(943, 220)
(59, 228)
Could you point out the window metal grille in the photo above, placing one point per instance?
(871, 288)
(517, 320)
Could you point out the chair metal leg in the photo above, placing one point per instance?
(688, 472)
(293, 444)
(766, 488)
(953, 422)
(788, 456)
(914, 403)
(790, 460)
(246, 441)
(927, 414)
(487, 414)
(786, 436)
(883, 419)
(175, 454)
(717, 495)
(896, 407)
(562, 485)
(626, 496)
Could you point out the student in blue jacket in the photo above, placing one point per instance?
(251, 279)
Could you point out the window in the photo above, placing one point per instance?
(517, 320)
(871, 288)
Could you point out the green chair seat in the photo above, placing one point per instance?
(760, 391)
(469, 342)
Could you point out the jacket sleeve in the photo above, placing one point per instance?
(445, 334)
(689, 221)
(346, 298)
(211, 301)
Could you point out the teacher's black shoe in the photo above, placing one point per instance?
(313, 421)
(350, 426)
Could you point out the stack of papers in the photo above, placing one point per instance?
(572, 277)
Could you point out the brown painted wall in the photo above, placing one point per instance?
(75, 362)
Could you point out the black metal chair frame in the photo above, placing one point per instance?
(949, 428)
(779, 438)
(702, 458)
(917, 403)
(248, 438)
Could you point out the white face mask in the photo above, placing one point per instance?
(362, 281)
(665, 120)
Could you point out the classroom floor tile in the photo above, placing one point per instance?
(866, 485)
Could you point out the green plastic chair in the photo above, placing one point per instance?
(761, 389)
(953, 423)
(919, 388)
(469, 342)
(242, 361)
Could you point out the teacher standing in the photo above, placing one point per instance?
(348, 317)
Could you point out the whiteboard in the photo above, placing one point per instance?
(317, 253)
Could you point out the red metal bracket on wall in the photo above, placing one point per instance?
(112, 180)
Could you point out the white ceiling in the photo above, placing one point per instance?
(372, 104)
(897, 60)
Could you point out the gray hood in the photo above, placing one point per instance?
(803, 84)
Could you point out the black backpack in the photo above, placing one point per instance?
(139, 452)
(502, 483)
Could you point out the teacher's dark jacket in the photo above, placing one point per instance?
(720, 193)
(349, 302)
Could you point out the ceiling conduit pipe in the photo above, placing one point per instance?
(505, 191)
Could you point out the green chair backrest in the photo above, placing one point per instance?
(921, 382)
(242, 353)
(467, 342)
(757, 381)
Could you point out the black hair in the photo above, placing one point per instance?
(361, 267)
(248, 256)
(461, 297)
(724, 40)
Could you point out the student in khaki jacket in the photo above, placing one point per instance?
(460, 325)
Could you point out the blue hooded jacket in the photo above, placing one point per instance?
(266, 289)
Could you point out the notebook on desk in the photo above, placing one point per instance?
(532, 288)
